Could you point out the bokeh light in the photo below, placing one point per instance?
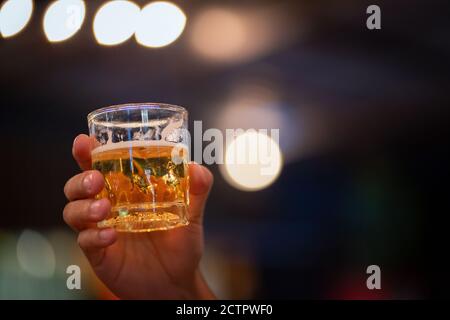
(253, 161)
(222, 34)
(159, 24)
(251, 104)
(35, 254)
(256, 100)
(115, 22)
(14, 16)
(219, 34)
(63, 18)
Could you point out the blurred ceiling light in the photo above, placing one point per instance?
(63, 18)
(14, 16)
(115, 22)
(159, 24)
(227, 35)
(253, 161)
(35, 254)
(258, 101)
(219, 34)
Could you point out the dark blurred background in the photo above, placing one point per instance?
(364, 129)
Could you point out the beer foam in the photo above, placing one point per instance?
(137, 144)
(140, 124)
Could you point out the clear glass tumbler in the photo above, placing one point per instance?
(142, 152)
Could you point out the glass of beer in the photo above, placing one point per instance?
(142, 152)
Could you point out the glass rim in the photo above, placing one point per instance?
(136, 106)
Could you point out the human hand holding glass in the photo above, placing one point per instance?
(153, 265)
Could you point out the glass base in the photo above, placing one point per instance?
(142, 218)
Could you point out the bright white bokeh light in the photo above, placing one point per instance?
(35, 254)
(115, 22)
(253, 161)
(63, 19)
(159, 24)
(14, 16)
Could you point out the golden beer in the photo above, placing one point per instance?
(146, 183)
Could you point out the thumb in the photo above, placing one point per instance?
(200, 182)
(81, 150)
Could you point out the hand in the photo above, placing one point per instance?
(153, 265)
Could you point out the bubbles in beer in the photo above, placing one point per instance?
(142, 180)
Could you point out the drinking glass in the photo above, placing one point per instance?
(142, 152)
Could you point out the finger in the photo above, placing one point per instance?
(80, 214)
(94, 241)
(84, 185)
(200, 182)
(81, 151)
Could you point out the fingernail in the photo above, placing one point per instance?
(87, 182)
(106, 234)
(95, 211)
